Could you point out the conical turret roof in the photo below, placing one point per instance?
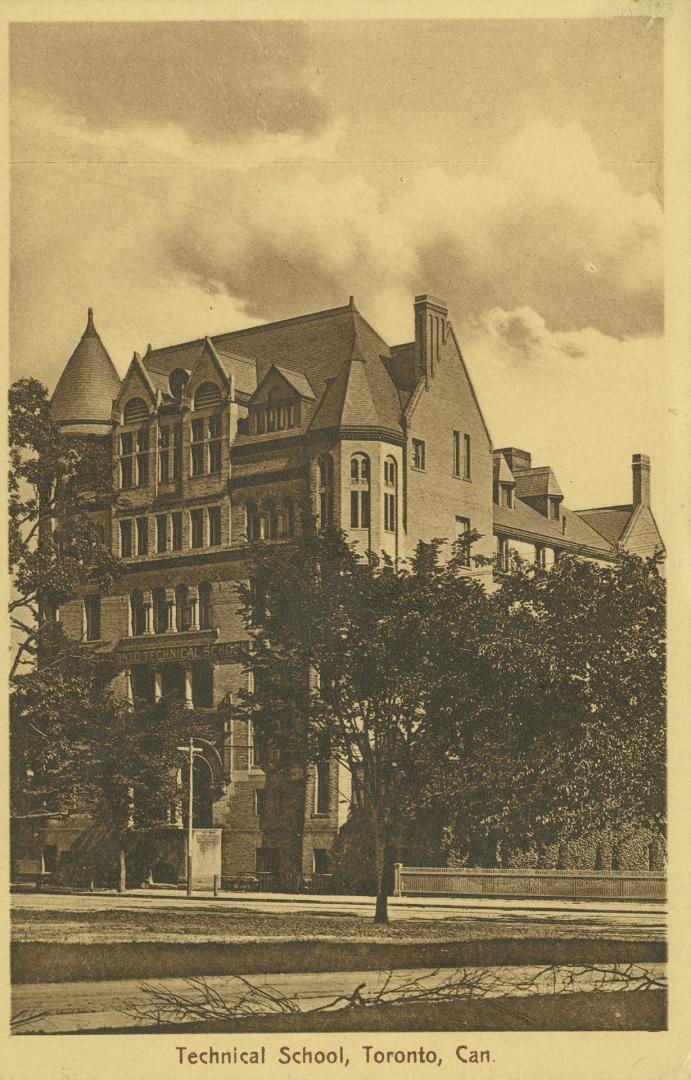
(82, 401)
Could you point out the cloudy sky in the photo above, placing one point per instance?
(191, 178)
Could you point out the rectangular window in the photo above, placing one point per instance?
(554, 508)
(463, 534)
(322, 860)
(126, 539)
(259, 801)
(143, 457)
(142, 536)
(389, 511)
(259, 750)
(214, 526)
(126, 459)
(164, 471)
(502, 554)
(161, 533)
(214, 444)
(197, 523)
(176, 522)
(456, 453)
(355, 509)
(418, 454)
(541, 556)
(466, 457)
(359, 510)
(198, 448)
(321, 787)
(506, 496)
(92, 617)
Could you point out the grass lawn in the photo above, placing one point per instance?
(235, 923)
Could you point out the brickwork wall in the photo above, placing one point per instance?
(436, 497)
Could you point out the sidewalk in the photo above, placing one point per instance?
(364, 904)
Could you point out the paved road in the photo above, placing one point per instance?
(82, 1006)
(615, 915)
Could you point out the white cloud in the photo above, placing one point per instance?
(580, 401)
(547, 227)
(42, 130)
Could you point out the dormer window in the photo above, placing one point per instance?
(135, 410)
(273, 417)
(554, 508)
(506, 496)
(206, 395)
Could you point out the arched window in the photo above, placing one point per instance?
(177, 381)
(160, 611)
(206, 394)
(182, 607)
(359, 492)
(205, 609)
(325, 477)
(390, 493)
(252, 523)
(137, 613)
(134, 410)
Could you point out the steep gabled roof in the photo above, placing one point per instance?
(84, 395)
(500, 468)
(314, 347)
(300, 383)
(533, 482)
(608, 521)
(527, 523)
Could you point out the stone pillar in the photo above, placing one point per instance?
(128, 687)
(188, 688)
(158, 684)
(171, 611)
(148, 613)
(193, 598)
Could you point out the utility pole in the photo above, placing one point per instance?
(191, 750)
(190, 806)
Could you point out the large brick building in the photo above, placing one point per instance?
(220, 443)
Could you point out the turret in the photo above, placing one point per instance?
(82, 402)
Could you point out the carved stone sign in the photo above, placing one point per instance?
(157, 652)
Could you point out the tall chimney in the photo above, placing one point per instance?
(430, 333)
(640, 466)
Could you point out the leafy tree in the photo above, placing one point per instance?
(341, 655)
(73, 745)
(55, 552)
(567, 736)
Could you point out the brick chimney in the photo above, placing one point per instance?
(431, 317)
(640, 467)
(517, 460)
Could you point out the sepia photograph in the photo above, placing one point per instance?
(339, 514)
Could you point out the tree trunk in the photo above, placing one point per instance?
(381, 911)
(122, 870)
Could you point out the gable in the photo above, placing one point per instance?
(282, 384)
(451, 383)
(642, 536)
(207, 369)
(135, 384)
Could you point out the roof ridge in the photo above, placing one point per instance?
(602, 509)
(260, 326)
